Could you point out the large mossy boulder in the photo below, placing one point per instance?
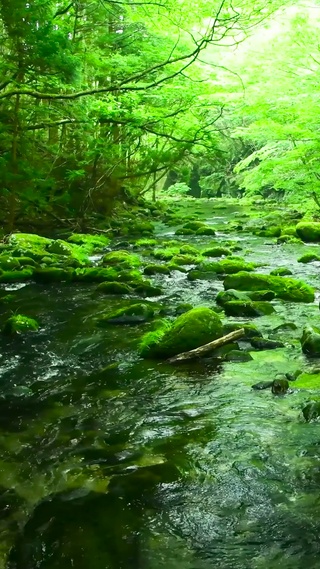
(133, 314)
(29, 244)
(227, 266)
(310, 341)
(154, 269)
(308, 231)
(19, 324)
(285, 288)
(53, 275)
(89, 243)
(217, 252)
(230, 295)
(309, 258)
(190, 330)
(16, 276)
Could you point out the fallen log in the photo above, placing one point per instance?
(202, 350)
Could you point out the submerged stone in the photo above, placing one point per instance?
(265, 344)
(284, 287)
(247, 308)
(262, 385)
(310, 341)
(133, 314)
(190, 330)
(311, 411)
(280, 386)
(19, 324)
(114, 288)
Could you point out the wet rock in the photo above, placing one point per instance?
(280, 386)
(52, 275)
(190, 330)
(134, 314)
(310, 341)
(262, 385)
(147, 289)
(230, 295)
(238, 356)
(156, 269)
(217, 252)
(249, 308)
(284, 287)
(311, 411)
(227, 266)
(308, 258)
(206, 230)
(114, 288)
(250, 330)
(19, 324)
(281, 272)
(261, 294)
(265, 344)
(308, 231)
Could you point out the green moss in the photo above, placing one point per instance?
(27, 262)
(183, 231)
(308, 258)
(16, 276)
(308, 231)
(89, 243)
(19, 324)
(29, 245)
(284, 288)
(194, 225)
(182, 308)
(114, 288)
(289, 230)
(145, 288)
(226, 266)
(110, 274)
(52, 274)
(190, 330)
(156, 269)
(8, 263)
(288, 239)
(121, 258)
(308, 381)
(216, 252)
(185, 260)
(133, 314)
(310, 341)
(247, 308)
(146, 243)
(272, 231)
(206, 230)
(165, 254)
(261, 294)
(230, 295)
(188, 250)
(281, 272)
(173, 267)
(72, 252)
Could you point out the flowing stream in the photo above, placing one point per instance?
(113, 462)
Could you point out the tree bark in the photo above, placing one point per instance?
(198, 352)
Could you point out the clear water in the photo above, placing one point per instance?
(145, 465)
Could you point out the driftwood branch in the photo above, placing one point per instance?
(198, 352)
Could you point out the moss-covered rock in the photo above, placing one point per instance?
(183, 231)
(281, 272)
(89, 243)
(217, 252)
(311, 411)
(75, 255)
(308, 231)
(109, 274)
(165, 254)
(28, 245)
(19, 324)
(27, 262)
(182, 308)
(230, 295)
(173, 267)
(288, 239)
(52, 275)
(308, 258)
(206, 230)
(16, 276)
(190, 330)
(185, 260)
(226, 266)
(123, 259)
(156, 269)
(251, 331)
(145, 288)
(194, 225)
(261, 294)
(134, 314)
(310, 381)
(310, 341)
(265, 344)
(284, 287)
(247, 308)
(189, 250)
(8, 263)
(114, 288)
(146, 243)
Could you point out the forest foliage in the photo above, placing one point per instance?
(104, 100)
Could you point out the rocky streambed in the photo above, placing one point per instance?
(114, 458)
